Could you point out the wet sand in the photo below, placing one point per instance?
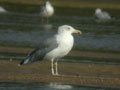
(70, 73)
(86, 74)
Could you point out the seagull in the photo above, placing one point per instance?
(47, 10)
(2, 10)
(101, 15)
(54, 48)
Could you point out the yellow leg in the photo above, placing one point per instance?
(56, 68)
(52, 67)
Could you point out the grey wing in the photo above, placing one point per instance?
(100, 15)
(106, 15)
(40, 52)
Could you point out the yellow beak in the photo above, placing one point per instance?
(77, 32)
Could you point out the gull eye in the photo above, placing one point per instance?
(68, 28)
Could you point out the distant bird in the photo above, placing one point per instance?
(101, 15)
(47, 11)
(2, 10)
(54, 48)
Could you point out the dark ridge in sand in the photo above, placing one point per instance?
(73, 53)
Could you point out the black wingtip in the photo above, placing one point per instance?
(21, 63)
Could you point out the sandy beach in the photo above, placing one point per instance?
(70, 73)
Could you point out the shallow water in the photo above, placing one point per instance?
(47, 86)
(26, 29)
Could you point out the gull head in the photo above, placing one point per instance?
(48, 3)
(68, 30)
(98, 10)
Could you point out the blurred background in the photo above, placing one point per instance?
(22, 29)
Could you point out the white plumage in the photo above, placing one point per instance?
(65, 43)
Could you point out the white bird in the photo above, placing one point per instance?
(47, 10)
(101, 15)
(2, 10)
(54, 48)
